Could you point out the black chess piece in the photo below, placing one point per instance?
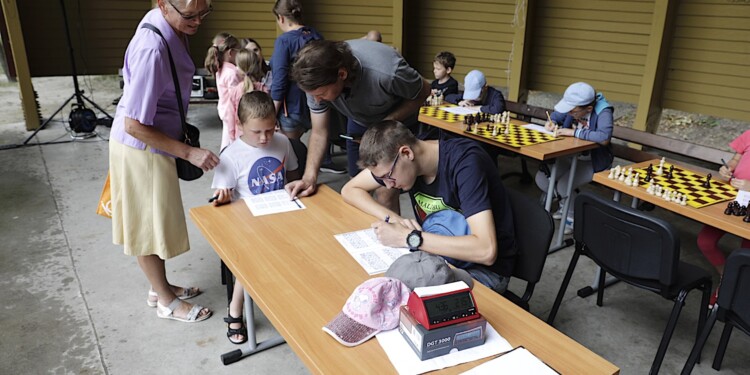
(649, 173)
(729, 209)
(707, 183)
(737, 211)
(671, 171)
(743, 210)
(746, 219)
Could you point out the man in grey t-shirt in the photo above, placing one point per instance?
(367, 82)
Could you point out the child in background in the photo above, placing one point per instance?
(261, 161)
(290, 101)
(250, 69)
(592, 116)
(220, 63)
(478, 93)
(251, 45)
(737, 172)
(443, 66)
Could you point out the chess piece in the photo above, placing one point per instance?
(494, 131)
(728, 210)
(507, 128)
(671, 171)
(611, 174)
(683, 202)
(622, 177)
(649, 173)
(635, 180)
(743, 210)
(737, 211)
(746, 219)
(628, 180)
(707, 183)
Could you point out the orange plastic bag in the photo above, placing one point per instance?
(105, 205)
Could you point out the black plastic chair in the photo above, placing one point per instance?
(732, 308)
(638, 249)
(533, 231)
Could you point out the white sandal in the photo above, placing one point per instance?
(187, 293)
(193, 316)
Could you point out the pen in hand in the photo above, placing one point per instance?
(727, 167)
(296, 201)
(215, 197)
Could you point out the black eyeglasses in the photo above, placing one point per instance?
(193, 17)
(387, 177)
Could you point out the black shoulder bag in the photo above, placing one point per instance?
(185, 170)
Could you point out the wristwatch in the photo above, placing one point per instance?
(414, 240)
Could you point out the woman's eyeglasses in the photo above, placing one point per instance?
(193, 17)
(387, 177)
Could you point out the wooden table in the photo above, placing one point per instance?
(712, 215)
(540, 151)
(300, 277)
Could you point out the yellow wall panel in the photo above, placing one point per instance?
(479, 33)
(709, 64)
(343, 20)
(600, 42)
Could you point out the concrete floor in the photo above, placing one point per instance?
(73, 303)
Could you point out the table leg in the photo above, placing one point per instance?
(252, 346)
(559, 243)
(551, 188)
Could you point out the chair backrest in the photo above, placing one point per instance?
(734, 292)
(626, 242)
(534, 229)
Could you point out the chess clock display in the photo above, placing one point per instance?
(455, 304)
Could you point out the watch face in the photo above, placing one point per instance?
(413, 240)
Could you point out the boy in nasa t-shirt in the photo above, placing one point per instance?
(262, 161)
(259, 162)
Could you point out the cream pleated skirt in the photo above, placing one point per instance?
(147, 213)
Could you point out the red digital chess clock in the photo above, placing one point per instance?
(445, 308)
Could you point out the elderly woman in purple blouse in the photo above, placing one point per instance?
(147, 213)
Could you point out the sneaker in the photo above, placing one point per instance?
(568, 226)
(558, 214)
(714, 297)
(331, 167)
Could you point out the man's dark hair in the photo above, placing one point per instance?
(318, 64)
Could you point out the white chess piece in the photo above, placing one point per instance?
(611, 174)
(507, 128)
(635, 180)
(628, 180)
(622, 177)
(683, 202)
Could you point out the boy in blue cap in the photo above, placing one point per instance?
(584, 114)
(477, 92)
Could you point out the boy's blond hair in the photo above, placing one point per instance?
(255, 104)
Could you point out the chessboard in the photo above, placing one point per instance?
(438, 113)
(690, 183)
(518, 136)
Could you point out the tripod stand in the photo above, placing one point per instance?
(78, 94)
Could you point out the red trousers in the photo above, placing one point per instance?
(708, 240)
